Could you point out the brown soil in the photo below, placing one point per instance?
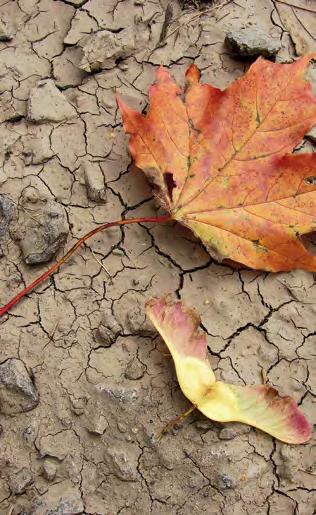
(97, 383)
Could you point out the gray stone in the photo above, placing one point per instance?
(94, 180)
(251, 42)
(47, 104)
(7, 209)
(20, 481)
(42, 236)
(17, 392)
(224, 482)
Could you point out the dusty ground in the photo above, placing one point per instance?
(96, 383)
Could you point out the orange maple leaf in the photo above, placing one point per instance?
(222, 161)
(222, 165)
(260, 406)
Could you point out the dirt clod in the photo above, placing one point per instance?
(250, 42)
(134, 370)
(17, 391)
(60, 499)
(42, 231)
(47, 104)
(5, 32)
(20, 481)
(227, 434)
(108, 330)
(49, 469)
(7, 209)
(94, 180)
(104, 47)
(123, 461)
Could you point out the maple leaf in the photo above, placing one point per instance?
(222, 161)
(260, 406)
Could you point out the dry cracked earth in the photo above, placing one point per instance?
(85, 382)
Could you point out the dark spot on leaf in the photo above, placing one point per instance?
(310, 180)
(169, 182)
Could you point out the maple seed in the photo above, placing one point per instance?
(260, 406)
(235, 179)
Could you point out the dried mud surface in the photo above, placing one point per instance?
(96, 383)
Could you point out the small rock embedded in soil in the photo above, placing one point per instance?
(17, 392)
(42, 235)
(94, 180)
(29, 434)
(20, 481)
(251, 42)
(224, 482)
(47, 104)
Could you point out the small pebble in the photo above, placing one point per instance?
(20, 481)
